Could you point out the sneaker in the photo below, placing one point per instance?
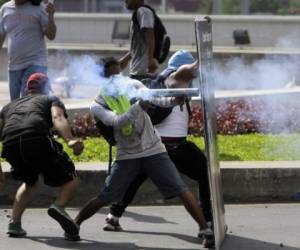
(70, 237)
(66, 222)
(200, 233)
(15, 229)
(208, 238)
(112, 224)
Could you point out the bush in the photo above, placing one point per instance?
(277, 114)
(84, 126)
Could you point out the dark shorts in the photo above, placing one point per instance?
(30, 157)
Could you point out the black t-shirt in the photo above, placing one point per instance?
(30, 114)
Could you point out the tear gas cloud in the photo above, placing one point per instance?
(86, 75)
(268, 72)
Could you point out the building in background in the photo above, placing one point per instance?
(205, 7)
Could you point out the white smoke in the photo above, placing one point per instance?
(265, 73)
(85, 79)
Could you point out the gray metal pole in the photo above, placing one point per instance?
(163, 6)
(94, 6)
(245, 7)
(86, 5)
(217, 7)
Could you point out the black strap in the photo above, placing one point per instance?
(109, 160)
(188, 107)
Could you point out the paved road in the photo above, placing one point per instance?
(251, 227)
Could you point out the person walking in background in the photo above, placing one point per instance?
(187, 157)
(25, 24)
(29, 147)
(141, 54)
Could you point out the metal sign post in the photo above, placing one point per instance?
(206, 87)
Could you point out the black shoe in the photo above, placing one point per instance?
(70, 237)
(66, 222)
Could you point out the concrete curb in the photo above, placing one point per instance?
(243, 182)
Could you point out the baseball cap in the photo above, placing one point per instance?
(179, 58)
(38, 82)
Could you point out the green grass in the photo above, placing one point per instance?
(250, 147)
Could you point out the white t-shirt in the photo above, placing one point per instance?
(177, 121)
(24, 26)
(139, 50)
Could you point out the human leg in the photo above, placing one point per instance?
(14, 83)
(190, 160)
(117, 209)
(164, 174)
(116, 184)
(24, 172)
(22, 199)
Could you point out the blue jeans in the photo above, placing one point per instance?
(17, 80)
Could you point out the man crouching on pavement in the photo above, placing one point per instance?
(29, 147)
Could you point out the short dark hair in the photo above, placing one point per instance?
(108, 62)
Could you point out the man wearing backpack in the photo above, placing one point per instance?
(146, 49)
(139, 151)
(173, 129)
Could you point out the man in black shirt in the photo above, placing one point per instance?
(29, 147)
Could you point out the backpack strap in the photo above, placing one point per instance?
(135, 19)
(109, 160)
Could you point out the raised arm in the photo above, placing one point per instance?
(60, 123)
(183, 76)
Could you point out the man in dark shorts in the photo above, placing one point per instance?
(29, 147)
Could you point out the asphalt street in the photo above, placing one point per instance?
(250, 227)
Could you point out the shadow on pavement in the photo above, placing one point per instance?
(183, 237)
(59, 242)
(147, 218)
(233, 242)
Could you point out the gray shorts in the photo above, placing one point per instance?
(159, 168)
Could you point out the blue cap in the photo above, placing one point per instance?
(178, 59)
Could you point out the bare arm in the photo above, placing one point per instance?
(60, 123)
(183, 76)
(150, 43)
(51, 27)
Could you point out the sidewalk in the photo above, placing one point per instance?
(250, 227)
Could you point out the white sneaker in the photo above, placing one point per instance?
(112, 223)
